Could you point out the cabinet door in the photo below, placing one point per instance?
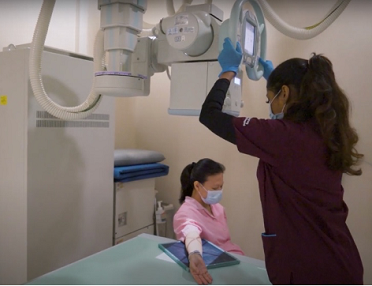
(134, 206)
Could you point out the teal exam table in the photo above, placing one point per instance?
(138, 261)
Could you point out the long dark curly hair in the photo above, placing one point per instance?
(315, 94)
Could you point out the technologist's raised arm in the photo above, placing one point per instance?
(211, 114)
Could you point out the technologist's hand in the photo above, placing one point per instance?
(198, 269)
(230, 57)
(268, 67)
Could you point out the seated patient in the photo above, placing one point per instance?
(201, 215)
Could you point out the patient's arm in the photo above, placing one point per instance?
(197, 266)
(193, 242)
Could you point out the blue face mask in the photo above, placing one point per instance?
(213, 197)
(277, 115)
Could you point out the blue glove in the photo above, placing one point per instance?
(268, 67)
(230, 58)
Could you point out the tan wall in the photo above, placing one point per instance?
(347, 43)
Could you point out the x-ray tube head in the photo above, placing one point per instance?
(250, 39)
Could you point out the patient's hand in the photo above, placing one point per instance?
(198, 269)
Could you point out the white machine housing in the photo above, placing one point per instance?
(188, 42)
(191, 82)
(121, 21)
(56, 176)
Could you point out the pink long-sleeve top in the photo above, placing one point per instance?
(192, 216)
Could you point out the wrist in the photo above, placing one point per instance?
(195, 252)
(229, 75)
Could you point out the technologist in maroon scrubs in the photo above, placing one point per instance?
(304, 149)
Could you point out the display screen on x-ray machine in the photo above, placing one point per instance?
(249, 39)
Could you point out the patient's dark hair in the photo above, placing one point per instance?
(200, 172)
(315, 95)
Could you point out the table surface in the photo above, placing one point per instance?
(137, 261)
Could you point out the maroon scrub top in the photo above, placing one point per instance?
(306, 239)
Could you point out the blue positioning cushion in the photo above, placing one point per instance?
(140, 172)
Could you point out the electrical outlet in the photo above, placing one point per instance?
(122, 219)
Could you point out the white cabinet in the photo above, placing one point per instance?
(134, 209)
